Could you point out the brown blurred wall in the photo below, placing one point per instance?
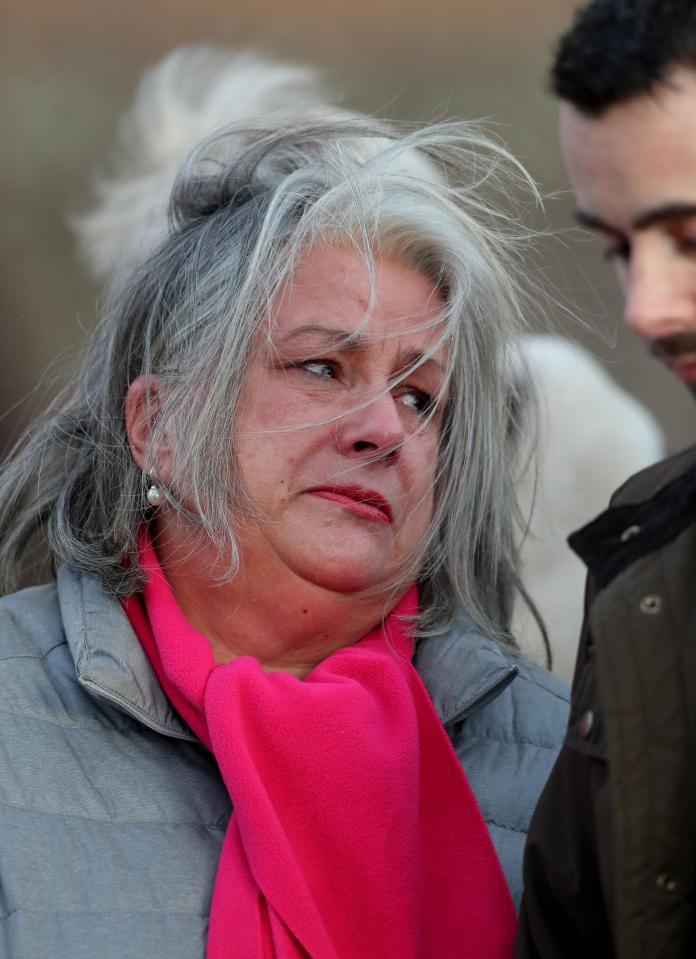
(68, 69)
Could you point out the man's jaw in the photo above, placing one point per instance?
(678, 353)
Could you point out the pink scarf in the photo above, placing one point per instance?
(354, 832)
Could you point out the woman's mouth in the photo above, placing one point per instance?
(362, 502)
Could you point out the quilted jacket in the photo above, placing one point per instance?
(112, 814)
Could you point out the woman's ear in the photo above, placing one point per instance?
(142, 409)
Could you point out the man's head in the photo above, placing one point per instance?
(626, 73)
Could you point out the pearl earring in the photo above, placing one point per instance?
(154, 495)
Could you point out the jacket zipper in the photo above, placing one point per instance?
(485, 697)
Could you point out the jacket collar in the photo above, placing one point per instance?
(109, 660)
(461, 670)
(625, 532)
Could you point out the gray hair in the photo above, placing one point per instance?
(246, 205)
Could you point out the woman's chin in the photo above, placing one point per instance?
(343, 580)
(341, 573)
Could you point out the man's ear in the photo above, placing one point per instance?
(143, 404)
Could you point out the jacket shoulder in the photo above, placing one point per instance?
(647, 482)
(544, 687)
(507, 748)
(40, 693)
(532, 710)
(30, 623)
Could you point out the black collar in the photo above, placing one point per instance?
(623, 534)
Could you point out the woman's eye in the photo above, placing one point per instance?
(419, 401)
(326, 369)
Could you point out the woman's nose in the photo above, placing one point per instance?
(660, 295)
(372, 430)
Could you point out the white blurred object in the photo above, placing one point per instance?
(191, 94)
(179, 102)
(592, 434)
(592, 437)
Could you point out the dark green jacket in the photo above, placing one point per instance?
(611, 854)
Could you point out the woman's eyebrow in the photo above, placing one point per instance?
(330, 338)
(413, 358)
(347, 341)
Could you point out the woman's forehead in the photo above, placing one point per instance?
(332, 297)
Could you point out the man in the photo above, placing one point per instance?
(611, 858)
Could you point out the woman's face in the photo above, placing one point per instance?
(340, 465)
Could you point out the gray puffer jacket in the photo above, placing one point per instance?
(113, 814)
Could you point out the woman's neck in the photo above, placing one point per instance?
(285, 622)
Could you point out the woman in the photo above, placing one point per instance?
(270, 706)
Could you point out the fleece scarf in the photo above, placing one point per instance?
(354, 833)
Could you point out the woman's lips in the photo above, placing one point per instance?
(363, 502)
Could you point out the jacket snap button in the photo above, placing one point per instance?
(585, 724)
(629, 533)
(650, 605)
(666, 883)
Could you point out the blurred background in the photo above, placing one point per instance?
(68, 68)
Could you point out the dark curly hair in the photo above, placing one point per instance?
(619, 49)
